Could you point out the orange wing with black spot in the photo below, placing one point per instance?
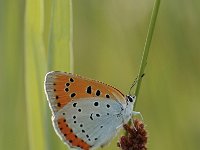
(69, 136)
(62, 88)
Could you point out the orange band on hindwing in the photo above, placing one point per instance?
(70, 137)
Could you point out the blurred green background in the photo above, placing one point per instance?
(108, 40)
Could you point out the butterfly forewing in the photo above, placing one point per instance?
(62, 88)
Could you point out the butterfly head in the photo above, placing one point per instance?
(130, 100)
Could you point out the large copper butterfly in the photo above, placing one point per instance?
(86, 114)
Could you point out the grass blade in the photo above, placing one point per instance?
(60, 56)
(13, 133)
(34, 72)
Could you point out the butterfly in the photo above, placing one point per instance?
(86, 114)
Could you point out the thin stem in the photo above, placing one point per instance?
(147, 45)
(71, 37)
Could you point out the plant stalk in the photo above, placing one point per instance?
(147, 46)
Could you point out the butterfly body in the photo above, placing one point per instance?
(86, 113)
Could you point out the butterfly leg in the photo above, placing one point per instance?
(137, 113)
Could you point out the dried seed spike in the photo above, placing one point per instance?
(136, 139)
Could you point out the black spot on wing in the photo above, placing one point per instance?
(89, 90)
(98, 115)
(91, 116)
(66, 89)
(73, 94)
(74, 104)
(98, 93)
(96, 103)
(107, 96)
(108, 106)
(71, 80)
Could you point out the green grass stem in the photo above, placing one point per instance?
(147, 46)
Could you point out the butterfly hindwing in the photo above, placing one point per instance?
(89, 120)
(62, 88)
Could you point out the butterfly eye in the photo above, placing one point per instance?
(130, 98)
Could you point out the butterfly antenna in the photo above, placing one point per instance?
(135, 82)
